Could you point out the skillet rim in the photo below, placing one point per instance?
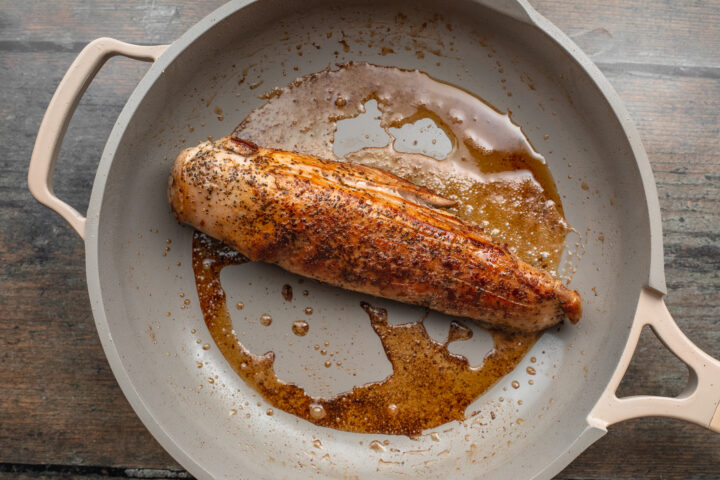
(518, 9)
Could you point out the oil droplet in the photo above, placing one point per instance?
(218, 111)
(206, 347)
(287, 292)
(317, 411)
(328, 363)
(340, 102)
(193, 331)
(300, 328)
(198, 341)
(323, 352)
(435, 437)
(265, 319)
(269, 411)
(316, 347)
(392, 409)
(308, 310)
(199, 364)
(531, 382)
(182, 295)
(305, 293)
(377, 446)
(211, 380)
(187, 301)
(533, 359)
(317, 443)
(239, 305)
(515, 384)
(520, 421)
(233, 411)
(530, 371)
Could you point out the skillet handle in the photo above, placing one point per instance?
(698, 403)
(60, 111)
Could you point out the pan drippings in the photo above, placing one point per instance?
(500, 183)
(429, 385)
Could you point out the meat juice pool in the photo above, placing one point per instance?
(499, 182)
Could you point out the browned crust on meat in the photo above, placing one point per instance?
(362, 229)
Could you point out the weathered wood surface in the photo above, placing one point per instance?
(61, 412)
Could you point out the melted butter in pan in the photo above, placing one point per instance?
(501, 183)
(493, 172)
(429, 386)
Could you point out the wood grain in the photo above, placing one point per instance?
(60, 402)
(660, 35)
(67, 25)
(61, 412)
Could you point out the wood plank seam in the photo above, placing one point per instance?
(88, 470)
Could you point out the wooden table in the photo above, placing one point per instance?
(61, 411)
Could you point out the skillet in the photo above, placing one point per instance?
(132, 285)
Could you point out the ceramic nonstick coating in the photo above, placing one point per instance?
(139, 258)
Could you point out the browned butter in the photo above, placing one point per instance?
(500, 183)
(429, 385)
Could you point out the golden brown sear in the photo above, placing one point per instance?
(362, 229)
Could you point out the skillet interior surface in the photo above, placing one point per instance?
(221, 429)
